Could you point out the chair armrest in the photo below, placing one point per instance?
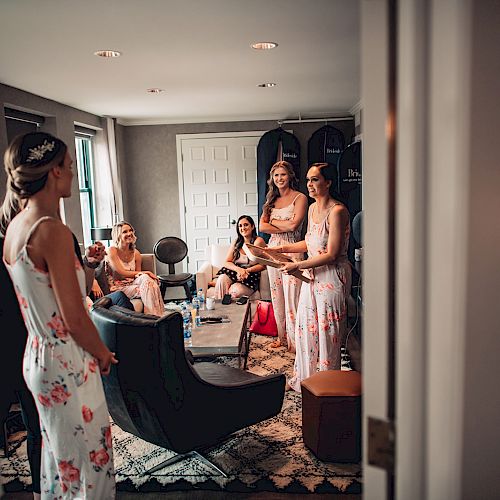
(203, 276)
(148, 262)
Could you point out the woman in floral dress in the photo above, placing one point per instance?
(123, 270)
(321, 323)
(64, 356)
(282, 217)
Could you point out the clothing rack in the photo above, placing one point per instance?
(313, 120)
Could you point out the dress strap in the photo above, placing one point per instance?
(35, 225)
(293, 201)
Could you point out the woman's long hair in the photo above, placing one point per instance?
(272, 190)
(240, 240)
(28, 161)
(116, 233)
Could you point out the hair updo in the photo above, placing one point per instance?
(28, 161)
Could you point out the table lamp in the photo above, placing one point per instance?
(100, 233)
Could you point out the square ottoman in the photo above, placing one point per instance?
(331, 415)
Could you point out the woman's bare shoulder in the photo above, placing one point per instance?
(259, 242)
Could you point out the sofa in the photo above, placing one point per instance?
(148, 264)
(215, 256)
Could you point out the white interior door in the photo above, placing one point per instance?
(219, 182)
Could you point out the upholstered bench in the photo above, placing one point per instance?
(331, 415)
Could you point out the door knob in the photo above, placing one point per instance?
(233, 222)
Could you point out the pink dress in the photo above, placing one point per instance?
(285, 289)
(321, 324)
(77, 453)
(142, 287)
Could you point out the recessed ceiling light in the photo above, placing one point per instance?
(268, 84)
(155, 91)
(107, 53)
(264, 45)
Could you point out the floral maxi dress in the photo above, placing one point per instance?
(77, 456)
(285, 288)
(321, 323)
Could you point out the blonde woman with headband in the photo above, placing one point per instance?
(282, 217)
(123, 270)
(64, 356)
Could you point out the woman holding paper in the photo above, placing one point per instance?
(282, 217)
(321, 323)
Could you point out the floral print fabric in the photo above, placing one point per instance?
(321, 324)
(142, 287)
(77, 456)
(285, 289)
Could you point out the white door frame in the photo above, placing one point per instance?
(180, 172)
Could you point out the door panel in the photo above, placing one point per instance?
(220, 184)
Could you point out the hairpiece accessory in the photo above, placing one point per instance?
(39, 148)
(38, 152)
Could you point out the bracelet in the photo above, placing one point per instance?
(90, 265)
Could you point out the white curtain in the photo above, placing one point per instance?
(107, 183)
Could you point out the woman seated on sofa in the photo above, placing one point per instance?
(123, 270)
(239, 276)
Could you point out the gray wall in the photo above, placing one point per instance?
(149, 170)
(59, 121)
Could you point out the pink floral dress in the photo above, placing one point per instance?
(77, 454)
(285, 289)
(321, 324)
(143, 287)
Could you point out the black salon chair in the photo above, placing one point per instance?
(171, 250)
(156, 393)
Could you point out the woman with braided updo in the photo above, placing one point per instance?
(64, 356)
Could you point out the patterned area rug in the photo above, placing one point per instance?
(268, 456)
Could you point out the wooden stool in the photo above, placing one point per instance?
(331, 415)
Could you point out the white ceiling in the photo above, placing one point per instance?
(197, 50)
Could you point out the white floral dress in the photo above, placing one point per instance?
(321, 324)
(77, 456)
(285, 289)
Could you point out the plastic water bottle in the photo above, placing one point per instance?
(196, 306)
(201, 299)
(187, 326)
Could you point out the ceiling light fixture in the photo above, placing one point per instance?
(155, 91)
(268, 84)
(264, 45)
(107, 53)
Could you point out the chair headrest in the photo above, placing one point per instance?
(170, 250)
(104, 309)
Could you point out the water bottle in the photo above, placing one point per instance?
(187, 327)
(196, 306)
(201, 299)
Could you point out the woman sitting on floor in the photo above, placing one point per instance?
(123, 270)
(239, 276)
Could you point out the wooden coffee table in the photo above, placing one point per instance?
(223, 339)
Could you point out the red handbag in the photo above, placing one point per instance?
(264, 322)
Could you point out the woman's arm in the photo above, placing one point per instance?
(60, 261)
(297, 247)
(299, 212)
(259, 242)
(338, 219)
(266, 227)
(138, 266)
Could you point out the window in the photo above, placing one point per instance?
(84, 162)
